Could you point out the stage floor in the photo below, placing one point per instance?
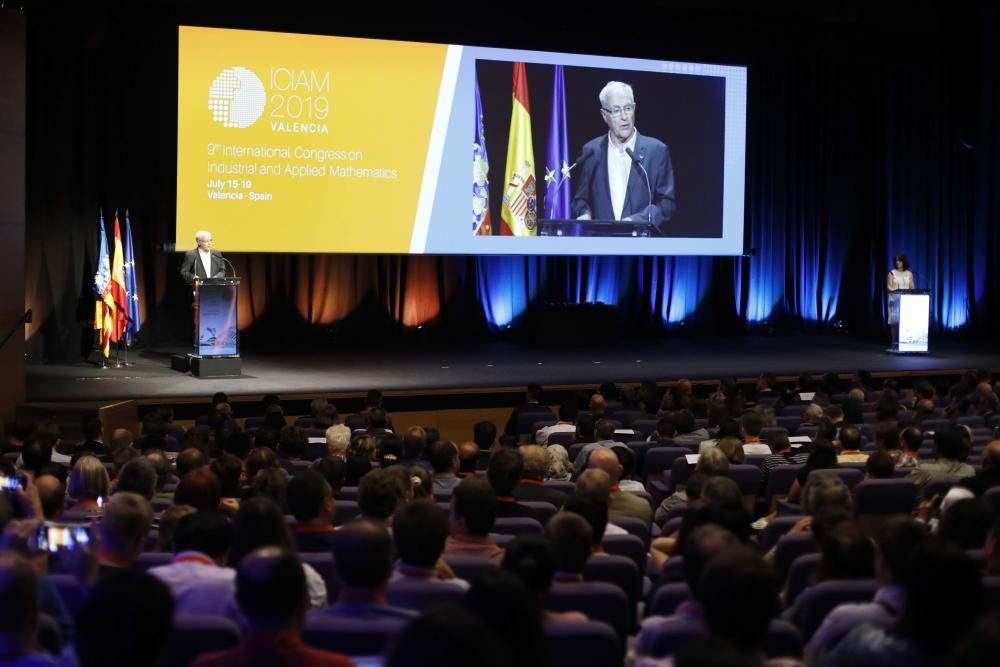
(419, 369)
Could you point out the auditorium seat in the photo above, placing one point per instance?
(351, 636)
(620, 571)
(599, 600)
(344, 511)
(849, 476)
(680, 473)
(517, 526)
(992, 496)
(422, 595)
(665, 636)
(939, 486)
(748, 478)
(789, 422)
(629, 546)
(779, 481)
(560, 485)
(195, 634)
(818, 600)
(777, 527)
(540, 424)
(575, 644)
(667, 598)
(799, 576)
(469, 567)
(322, 562)
(70, 590)
(658, 459)
(789, 547)
(564, 438)
(526, 420)
(973, 421)
(633, 525)
(543, 511)
(645, 426)
(347, 493)
(148, 559)
(877, 500)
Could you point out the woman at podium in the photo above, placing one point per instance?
(899, 278)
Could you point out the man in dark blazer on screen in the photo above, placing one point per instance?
(610, 185)
(202, 262)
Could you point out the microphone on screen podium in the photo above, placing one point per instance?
(219, 255)
(638, 161)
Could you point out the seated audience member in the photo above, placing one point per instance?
(732, 447)
(36, 453)
(188, 460)
(237, 444)
(531, 486)
(443, 456)
(390, 450)
(887, 440)
(422, 483)
(93, 440)
(943, 597)
(19, 613)
(124, 529)
(966, 522)
(533, 403)
(468, 458)
(880, 466)
(626, 457)
(472, 516)
(121, 459)
(168, 526)
(664, 434)
(503, 474)
(835, 414)
(572, 539)
(324, 415)
(585, 425)
(949, 448)
(260, 458)
(419, 531)
(310, 500)
(161, 465)
(124, 621)
(267, 436)
(560, 467)
(52, 495)
(598, 406)
(484, 434)
(782, 454)
(197, 577)
(701, 546)
(811, 415)
(604, 432)
(362, 556)
(894, 542)
(738, 593)
(447, 636)
(88, 484)
(229, 470)
(712, 463)
(850, 446)
(379, 496)
(595, 484)
(687, 434)
(270, 483)
(533, 559)
(292, 443)
(989, 476)
(138, 476)
(261, 523)
(751, 426)
(200, 489)
(271, 592)
(378, 423)
(622, 502)
(821, 457)
(360, 455)
(333, 468)
(505, 604)
(568, 412)
(911, 439)
(338, 438)
(414, 446)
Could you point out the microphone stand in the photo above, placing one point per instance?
(649, 189)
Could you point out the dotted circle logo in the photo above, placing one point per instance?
(236, 98)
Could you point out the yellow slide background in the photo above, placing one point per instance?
(381, 99)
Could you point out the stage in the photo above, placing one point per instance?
(495, 367)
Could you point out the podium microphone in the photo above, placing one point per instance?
(229, 263)
(638, 160)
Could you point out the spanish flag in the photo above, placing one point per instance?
(518, 211)
(117, 287)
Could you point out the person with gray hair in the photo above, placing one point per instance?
(624, 176)
(823, 490)
(713, 463)
(202, 262)
(338, 438)
(532, 486)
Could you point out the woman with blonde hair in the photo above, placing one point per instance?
(89, 484)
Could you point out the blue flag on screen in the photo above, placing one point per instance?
(557, 185)
(481, 225)
(131, 293)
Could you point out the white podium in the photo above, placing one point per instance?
(914, 321)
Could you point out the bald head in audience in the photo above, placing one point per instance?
(598, 405)
(991, 456)
(606, 460)
(52, 494)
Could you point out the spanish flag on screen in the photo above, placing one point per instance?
(518, 211)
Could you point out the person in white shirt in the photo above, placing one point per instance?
(568, 412)
(202, 262)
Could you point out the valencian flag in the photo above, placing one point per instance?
(557, 157)
(518, 211)
(131, 293)
(117, 287)
(481, 225)
(104, 308)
